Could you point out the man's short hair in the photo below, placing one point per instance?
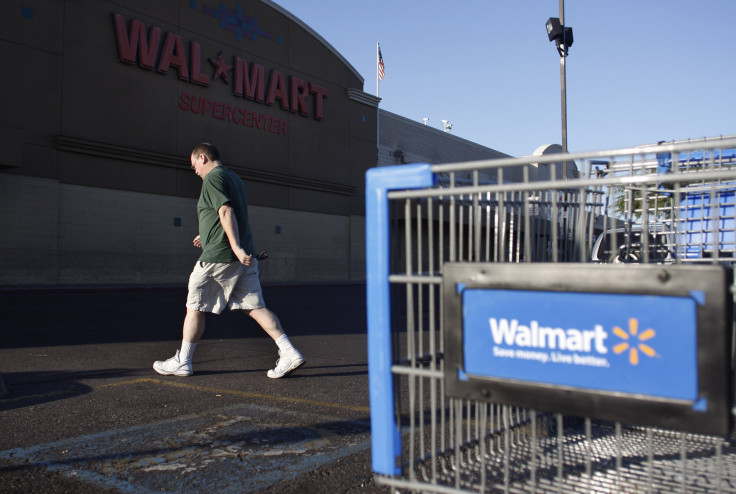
(208, 150)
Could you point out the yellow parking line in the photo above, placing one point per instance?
(231, 392)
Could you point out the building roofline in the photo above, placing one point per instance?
(316, 35)
(448, 135)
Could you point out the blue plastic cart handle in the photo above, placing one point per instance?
(385, 436)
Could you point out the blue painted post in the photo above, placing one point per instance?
(385, 436)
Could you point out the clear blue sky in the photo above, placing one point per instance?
(639, 71)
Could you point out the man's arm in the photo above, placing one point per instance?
(230, 225)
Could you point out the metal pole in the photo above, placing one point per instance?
(378, 111)
(378, 49)
(563, 90)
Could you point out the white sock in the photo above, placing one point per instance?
(187, 351)
(284, 343)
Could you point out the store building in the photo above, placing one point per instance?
(104, 101)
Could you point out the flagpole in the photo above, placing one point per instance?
(378, 50)
(378, 111)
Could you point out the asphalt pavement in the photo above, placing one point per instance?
(85, 412)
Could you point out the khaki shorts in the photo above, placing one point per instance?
(214, 286)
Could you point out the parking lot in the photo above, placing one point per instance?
(85, 411)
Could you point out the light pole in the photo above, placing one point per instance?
(562, 36)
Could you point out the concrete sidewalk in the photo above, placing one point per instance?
(85, 411)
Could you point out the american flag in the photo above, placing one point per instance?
(381, 68)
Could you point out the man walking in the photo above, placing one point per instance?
(226, 274)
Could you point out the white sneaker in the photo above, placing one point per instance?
(172, 367)
(286, 364)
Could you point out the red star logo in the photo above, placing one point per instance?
(221, 68)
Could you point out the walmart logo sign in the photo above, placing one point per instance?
(529, 339)
(634, 347)
(639, 344)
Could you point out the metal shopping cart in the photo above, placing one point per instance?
(529, 332)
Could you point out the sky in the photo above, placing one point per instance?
(638, 71)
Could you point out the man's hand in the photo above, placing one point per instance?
(243, 256)
(197, 242)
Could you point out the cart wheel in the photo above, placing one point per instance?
(626, 256)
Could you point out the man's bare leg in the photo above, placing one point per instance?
(290, 358)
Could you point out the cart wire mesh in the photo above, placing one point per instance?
(670, 203)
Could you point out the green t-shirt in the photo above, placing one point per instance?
(221, 186)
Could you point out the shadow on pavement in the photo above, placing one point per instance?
(36, 388)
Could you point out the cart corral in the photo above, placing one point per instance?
(570, 334)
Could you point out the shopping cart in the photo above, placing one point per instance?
(503, 356)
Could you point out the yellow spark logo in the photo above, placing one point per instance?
(634, 347)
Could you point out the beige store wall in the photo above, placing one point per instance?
(70, 234)
(30, 230)
(308, 246)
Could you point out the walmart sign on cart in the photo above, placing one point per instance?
(599, 341)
